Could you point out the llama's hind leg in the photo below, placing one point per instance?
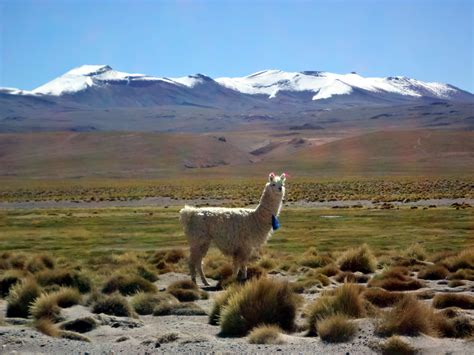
(195, 261)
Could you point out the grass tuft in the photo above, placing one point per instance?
(396, 346)
(336, 328)
(115, 305)
(416, 251)
(65, 278)
(8, 280)
(186, 291)
(345, 300)
(266, 334)
(20, 298)
(395, 279)
(445, 300)
(358, 259)
(128, 285)
(259, 301)
(45, 306)
(47, 327)
(382, 298)
(434, 272)
(408, 317)
(144, 303)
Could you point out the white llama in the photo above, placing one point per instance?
(235, 231)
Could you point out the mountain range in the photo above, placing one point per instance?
(97, 97)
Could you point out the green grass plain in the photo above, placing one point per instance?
(83, 233)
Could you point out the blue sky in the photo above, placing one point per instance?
(428, 40)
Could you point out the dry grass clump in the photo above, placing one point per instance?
(345, 300)
(253, 272)
(259, 301)
(65, 278)
(128, 285)
(8, 280)
(20, 298)
(395, 279)
(67, 297)
(173, 256)
(456, 283)
(146, 272)
(179, 309)
(267, 263)
(45, 306)
(115, 305)
(358, 259)
(445, 300)
(463, 260)
(347, 276)
(220, 301)
(40, 262)
(416, 251)
(144, 303)
(382, 298)
(266, 334)
(433, 272)
(336, 328)
(462, 274)
(409, 317)
(186, 291)
(330, 270)
(66, 334)
(456, 327)
(396, 346)
(47, 327)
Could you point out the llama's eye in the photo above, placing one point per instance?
(273, 184)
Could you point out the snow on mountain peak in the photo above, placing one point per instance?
(89, 70)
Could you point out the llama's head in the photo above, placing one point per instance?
(276, 184)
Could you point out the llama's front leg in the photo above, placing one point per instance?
(243, 270)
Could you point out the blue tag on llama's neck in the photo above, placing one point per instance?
(275, 223)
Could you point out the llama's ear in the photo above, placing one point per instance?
(271, 177)
(283, 177)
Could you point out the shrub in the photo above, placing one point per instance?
(358, 259)
(40, 262)
(65, 278)
(47, 327)
(66, 334)
(416, 251)
(395, 279)
(67, 297)
(144, 303)
(464, 260)
(128, 285)
(336, 328)
(179, 309)
(381, 297)
(266, 334)
(396, 346)
(221, 301)
(408, 317)
(253, 272)
(456, 283)
(330, 270)
(185, 291)
(346, 300)
(348, 276)
(145, 272)
(173, 256)
(453, 300)
(115, 305)
(456, 327)
(9, 279)
(45, 306)
(259, 301)
(434, 272)
(462, 274)
(21, 297)
(267, 263)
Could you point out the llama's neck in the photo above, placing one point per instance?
(269, 205)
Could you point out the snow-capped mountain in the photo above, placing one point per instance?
(271, 84)
(97, 97)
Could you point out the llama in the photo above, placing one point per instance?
(236, 232)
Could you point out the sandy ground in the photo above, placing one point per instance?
(193, 334)
(166, 201)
